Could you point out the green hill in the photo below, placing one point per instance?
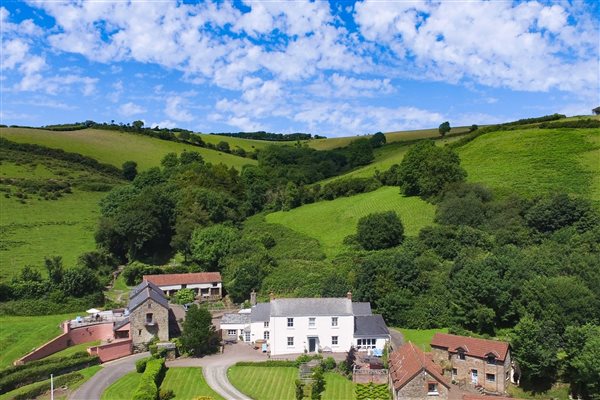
(534, 161)
(117, 147)
(48, 207)
(331, 221)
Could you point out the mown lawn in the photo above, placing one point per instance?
(420, 337)
(20, 335)
(74, 349)
(559, 391)
(278, 383)
(117, 147)
(536, 161)
(123, 388)
(331, 221)
(187, 384)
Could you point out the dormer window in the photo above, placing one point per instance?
(461, 355)
(491, 359)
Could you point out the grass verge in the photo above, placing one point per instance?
(187, 384)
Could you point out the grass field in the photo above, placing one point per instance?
(277, 383)
(117, 147)
(420, 337)
(560, 391)
(40, 228)
(187, 384)
(331, 221)
(534, 161)
(20, 335)
(249, 145)
(391, 137)
(59, 394)
(123, 388)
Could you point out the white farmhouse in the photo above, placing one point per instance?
(310, 325)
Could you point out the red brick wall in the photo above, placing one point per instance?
(112, 351)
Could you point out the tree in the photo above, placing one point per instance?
(54, 267)
(444, 128)
(535, 346)
(210, 245)
(199, 336)
(473, 128)
(426, 169)
(129, 170)
(170, 160)
(188, 157)
(552, 212)
(582, 349)
(380, 231)
(596, 110)
(79, 281)
(378, 140)
(138, 124)
(223, 146)
(184, 296)
(28, 274)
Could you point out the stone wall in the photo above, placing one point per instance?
(417, 388)
(141, 332)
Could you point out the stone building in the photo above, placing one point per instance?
(476, 363)
(148, 311)
(206, 285)
(413, 375)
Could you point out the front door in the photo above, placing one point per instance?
(312, 344)
(474, 377)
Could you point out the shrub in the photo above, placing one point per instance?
(25, 376)
(38, 390)
(328, 364)
(380, 231)
(140, 365)
(166, 394)
(147, 389)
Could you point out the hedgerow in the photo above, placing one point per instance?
(581, 123)
(151, 379)
(38, 390)
(38, 372)
(44, 361)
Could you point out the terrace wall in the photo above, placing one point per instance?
(112, 351)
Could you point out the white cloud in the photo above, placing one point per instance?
(130, 109)
(175, 109)
(164, 124)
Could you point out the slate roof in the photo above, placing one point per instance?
(235, 319)
(261, 312)
(183, 279)
(475, 347)
(407, 362)
(121, 324)
(370, 325)
(302, 307)
(144, 291)
(359, 308)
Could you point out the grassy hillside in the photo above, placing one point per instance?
(391, 137)
(116, 147)
(20, 335)
(533, 161)
(37, 220)
(331, 221)
(246, 144)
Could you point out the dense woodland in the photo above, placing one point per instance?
(523, 269)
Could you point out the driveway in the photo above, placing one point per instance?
(110, 372)
(397, 338)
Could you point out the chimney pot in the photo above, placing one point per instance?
(272, 296)
(349, 295)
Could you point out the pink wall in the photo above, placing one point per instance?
(84, 334)
(112, 351)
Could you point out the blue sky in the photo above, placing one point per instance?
(335, 69)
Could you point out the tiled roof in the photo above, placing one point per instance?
(261, 312)
(359, 308)
(183, 279)
(475, 347)
(303, 307)
(235, 319)
(407, 362)
(481, 397)
(370, 325)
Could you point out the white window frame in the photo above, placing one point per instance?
(335, 340)
(290, 322)
(266, 335)
(312, 323)
(266, 324)
(435, 391)
(367, 343)
(290, 341)
(334, 322)
(232, 332)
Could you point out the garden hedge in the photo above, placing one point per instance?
(43, 388)
(151, 379)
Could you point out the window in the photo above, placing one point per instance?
(454, 372)
(312, 322)
(461, 355)
(266, 335)
(334, 340)
(432, 389)
(266, 324)
(290, 341)
(139, 332)
(150, 305)
(149, 318)
(215, 284)
(232, 332)
(334, 321)
(290, 322)
(491, 360)
(490, 377)
(366, 343)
